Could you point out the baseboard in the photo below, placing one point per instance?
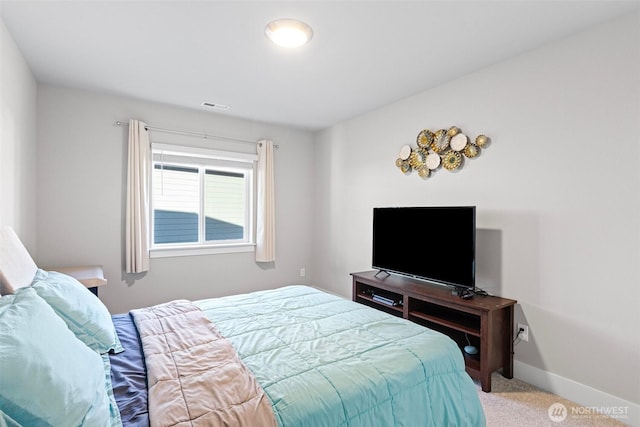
(584, 395)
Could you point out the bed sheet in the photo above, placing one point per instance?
(128, 374)
(327, 361)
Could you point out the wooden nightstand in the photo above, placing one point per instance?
(91, 276)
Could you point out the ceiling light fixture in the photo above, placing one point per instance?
(289, 33)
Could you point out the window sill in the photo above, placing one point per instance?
(176, 251)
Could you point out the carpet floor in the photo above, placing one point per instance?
(518, 404)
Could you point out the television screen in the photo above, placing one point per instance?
(436, 244)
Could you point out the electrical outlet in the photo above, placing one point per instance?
(303, 272)
(524, 335)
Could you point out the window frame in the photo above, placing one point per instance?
(205, 159)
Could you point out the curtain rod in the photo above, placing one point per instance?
(195, 134)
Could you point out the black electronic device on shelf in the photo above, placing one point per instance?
(383, 297)
(394, 302)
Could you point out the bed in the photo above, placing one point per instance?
(293, 356)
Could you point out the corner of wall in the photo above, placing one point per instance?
(18, 97)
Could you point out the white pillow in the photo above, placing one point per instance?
(17, 268)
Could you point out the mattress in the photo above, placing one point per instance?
(325, 361)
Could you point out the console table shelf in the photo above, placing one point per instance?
(444, 322)
(484, 321)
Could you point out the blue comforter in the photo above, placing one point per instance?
(327, 361)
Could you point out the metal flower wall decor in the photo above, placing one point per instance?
(444, 147)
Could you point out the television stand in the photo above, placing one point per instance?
(484, 322)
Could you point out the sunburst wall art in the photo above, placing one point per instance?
(445, 147)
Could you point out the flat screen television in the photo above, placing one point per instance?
(435, 244)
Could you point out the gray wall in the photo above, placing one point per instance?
(81, 188)
(557, 195)
(17, 142)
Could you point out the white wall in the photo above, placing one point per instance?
(557, 195)
(17, 142)
(81, 182)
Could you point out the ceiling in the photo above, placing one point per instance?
(363, 55)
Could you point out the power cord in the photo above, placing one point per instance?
(521, 330)
(479, 291)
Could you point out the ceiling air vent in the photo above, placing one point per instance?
(215, 106)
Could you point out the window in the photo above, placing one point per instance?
(201, 201)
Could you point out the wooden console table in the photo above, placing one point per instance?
(485, 321)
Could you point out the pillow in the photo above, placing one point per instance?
(49, 377)
(84, 314)
(16, 265)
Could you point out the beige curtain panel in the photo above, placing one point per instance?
(266, 218)
(138, 182)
